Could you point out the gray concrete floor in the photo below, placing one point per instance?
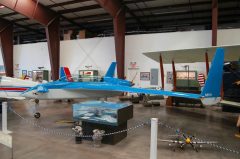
(205, 123)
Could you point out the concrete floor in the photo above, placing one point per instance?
(205, 123)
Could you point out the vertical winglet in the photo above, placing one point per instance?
(65, 75)
(214, 81)
(111, 70)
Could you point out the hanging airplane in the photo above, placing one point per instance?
(66, 88)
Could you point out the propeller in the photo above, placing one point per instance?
(190, 141)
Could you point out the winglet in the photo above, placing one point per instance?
(211, 90)
(111, 70)
(65, 75)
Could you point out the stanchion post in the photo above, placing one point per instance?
(4, 118)
(153, 144)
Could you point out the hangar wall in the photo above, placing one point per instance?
(99, 52)
(228, 37)
(138, 44)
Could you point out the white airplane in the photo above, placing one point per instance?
(12, 88)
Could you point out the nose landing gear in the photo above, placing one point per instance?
(37, 114)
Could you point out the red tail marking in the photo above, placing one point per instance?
(68, 74)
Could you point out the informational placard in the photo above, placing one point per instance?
(184, 75)
(169, 77)
(6, 139)
(145, 76)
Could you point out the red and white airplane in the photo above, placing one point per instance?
(11, 88)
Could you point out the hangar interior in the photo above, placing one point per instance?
(88, 78)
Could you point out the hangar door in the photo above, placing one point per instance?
(154, 76)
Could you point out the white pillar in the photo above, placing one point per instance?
(4, 116)
(153, 144)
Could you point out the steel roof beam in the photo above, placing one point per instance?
(214, 21)
(48, 18)
(79, 9)
(135, 16)
(115, 9)
(66, 3)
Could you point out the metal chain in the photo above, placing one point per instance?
(200, 140)
(148, 122)
(54, 132)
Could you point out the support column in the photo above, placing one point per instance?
(6, 41)
(162, 70)
(117, 11)
(169, 101)
(215, 28)
(174, 76)
(207, 63)
(4, 118)
(119, 35)
(53, 38)
(50, 19)
(214, 22)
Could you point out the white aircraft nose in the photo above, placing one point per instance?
(29, 94)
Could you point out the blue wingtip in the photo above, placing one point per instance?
(214, 81)
(111, 70)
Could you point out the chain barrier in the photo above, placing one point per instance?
(148, 122)
(54, 132)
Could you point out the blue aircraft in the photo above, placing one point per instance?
(66, 88)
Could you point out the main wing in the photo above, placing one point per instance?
(204, 142)
(120, 88)
(171, 141)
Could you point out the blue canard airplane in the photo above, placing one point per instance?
(66, 88)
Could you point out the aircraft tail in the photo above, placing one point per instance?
(65, 75)
(111, 70)
(211, 91)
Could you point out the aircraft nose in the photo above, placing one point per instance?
(27, 94)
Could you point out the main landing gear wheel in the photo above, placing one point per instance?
(37, 101)
(37, 115)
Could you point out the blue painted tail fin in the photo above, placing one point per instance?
(65, 74)
(111, 70)
(214, 81)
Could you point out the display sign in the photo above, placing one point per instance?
(133, 66)
(184, 75)
(169, 77)
(6, 139)
(110, 113)
(24, 73)
(145, 76)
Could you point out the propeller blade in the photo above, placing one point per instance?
(184, 136)
(193, 147)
